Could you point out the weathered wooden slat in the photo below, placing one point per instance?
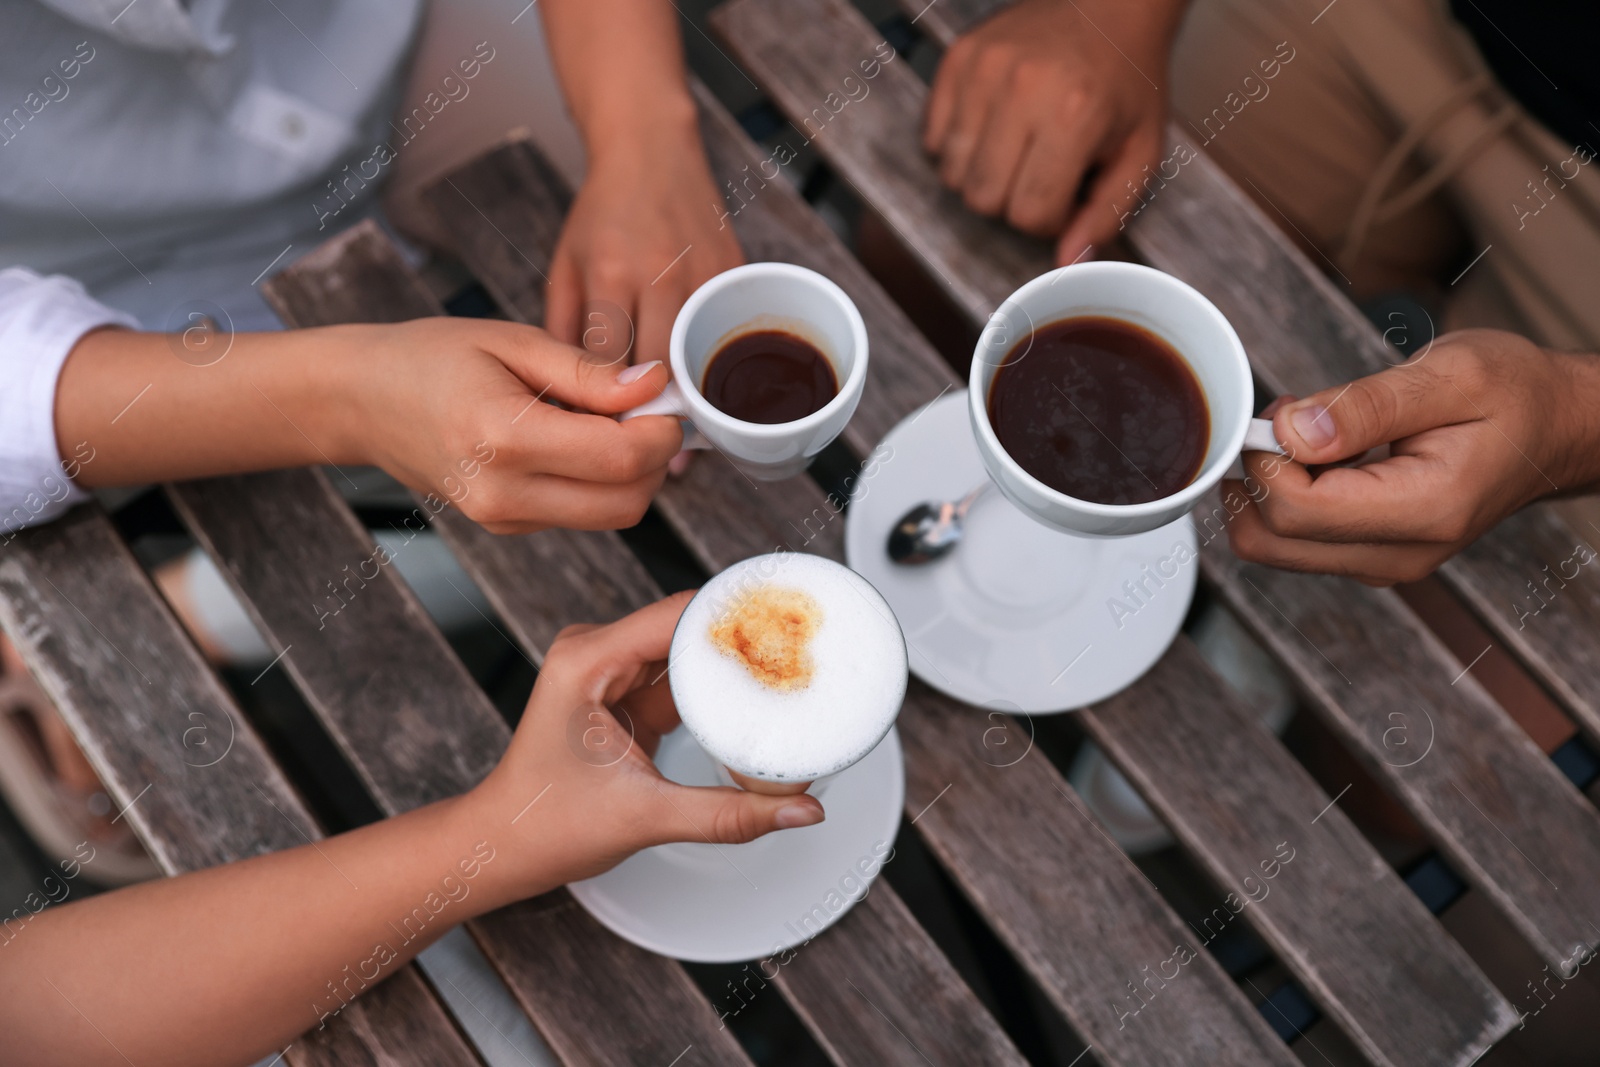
(844, 1003)
(1064, 941)
(174, 751)
(877, 151)
(1336, 912)
(542, 582)
(1528, 581)
(1077, 914)
(1502, 812)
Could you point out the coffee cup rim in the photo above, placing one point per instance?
(704, 409)
(1134, 273)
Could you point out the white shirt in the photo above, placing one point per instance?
(165, 155)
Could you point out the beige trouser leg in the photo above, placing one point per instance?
(1473, 172)
(1305, 143)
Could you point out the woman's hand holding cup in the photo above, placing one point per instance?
(507, 423)
(577, 786)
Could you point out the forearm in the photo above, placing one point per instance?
(621, 67)
(231, 963)
(146, 411)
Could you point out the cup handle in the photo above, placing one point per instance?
(1258, 437)
(670, 403)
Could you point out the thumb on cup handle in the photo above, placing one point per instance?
(1258, 437)
(670, 402)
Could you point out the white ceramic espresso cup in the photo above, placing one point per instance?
(1174, 312)
(763, 296)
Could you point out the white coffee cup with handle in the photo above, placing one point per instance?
(1172, 310)
(763, 296)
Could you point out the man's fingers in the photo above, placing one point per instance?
(1110, 205)
(1374, 564)
(978, 94)
(1347, 420)
(1052, 169)
(998, 158)
(727, 816)
(1412, 496)
(948, 84)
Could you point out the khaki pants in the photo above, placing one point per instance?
(1396, 159)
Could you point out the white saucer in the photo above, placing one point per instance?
(725, 903)
(1018, 615)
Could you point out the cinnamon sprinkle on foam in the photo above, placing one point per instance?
(769, 630)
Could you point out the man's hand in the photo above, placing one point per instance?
(1041, 97)
(583, 750)
(1479, 425)
(644, 232)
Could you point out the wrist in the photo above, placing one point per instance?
(319, 376)
(1578, 442)
(634, 133)
(475, 854)
(484, 815)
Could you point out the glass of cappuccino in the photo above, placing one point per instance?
(787, 668)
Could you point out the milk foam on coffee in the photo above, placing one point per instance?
(788, 667)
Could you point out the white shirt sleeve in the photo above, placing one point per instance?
(41, 319)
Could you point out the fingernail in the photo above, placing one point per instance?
(637, 371)
(1313, 425)
(793, 816)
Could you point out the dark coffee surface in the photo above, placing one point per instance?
(1101, 410)
(769, 376)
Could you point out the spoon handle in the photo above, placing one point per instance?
(965, 503)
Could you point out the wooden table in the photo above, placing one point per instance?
(1081, 919)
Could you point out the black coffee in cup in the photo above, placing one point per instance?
(1101, 410)
(769, 376)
